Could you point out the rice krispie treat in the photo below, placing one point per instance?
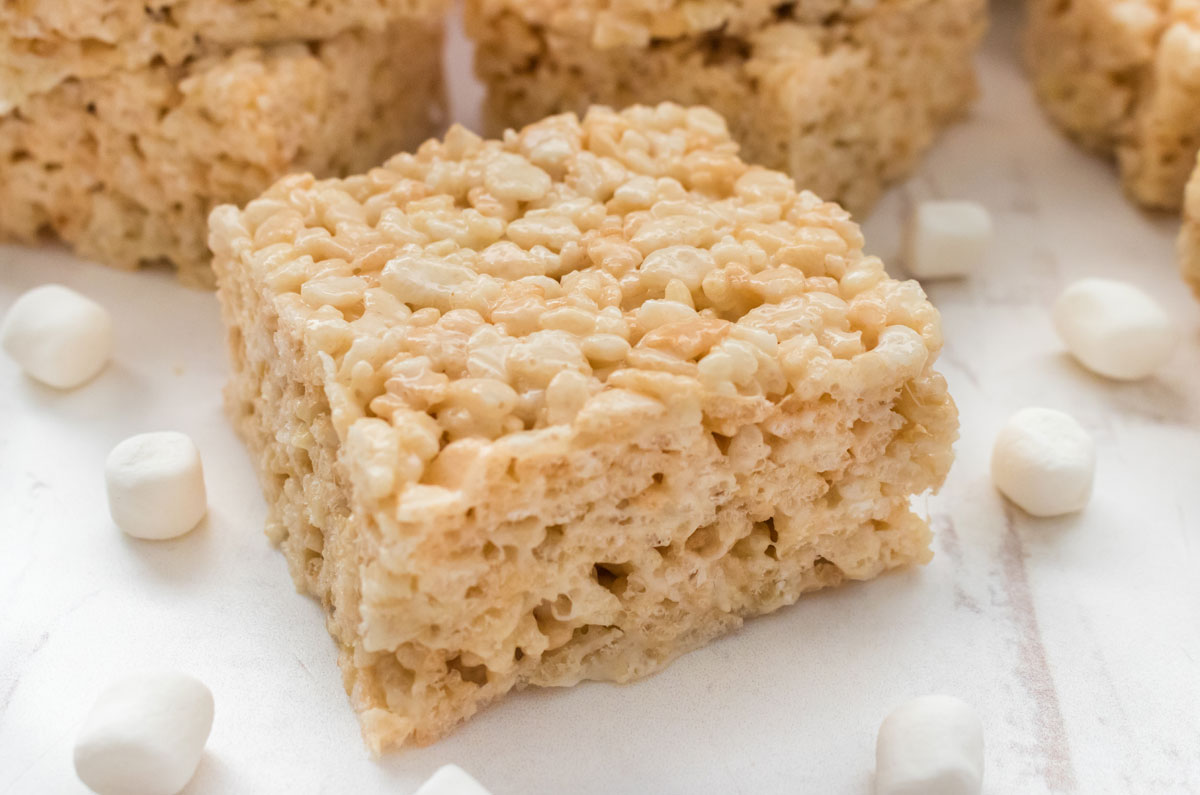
(1123, 78)
(1189, 237)
(843, 95)
(126, 167)
(566, 405)
(43, 42)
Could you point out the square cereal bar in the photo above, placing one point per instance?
(1189, 237)
(44, 42)
(568, 404)
(1122, 77)
(125, 168)
(845, 96)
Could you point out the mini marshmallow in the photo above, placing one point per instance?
(451, 780)
(1044, 461)
(57, 336)
(145, 735)
(931, 745)
(946, 239)
(1114, 329)
(156, 485)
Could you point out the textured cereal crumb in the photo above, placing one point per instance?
(570, 403)
(843, 95)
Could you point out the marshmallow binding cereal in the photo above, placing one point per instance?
(1044, 461)
(145, 735)
(931, 745)
(57, 336)
(569, 404)
(451, 780)
(156, 485)
(1114, 329)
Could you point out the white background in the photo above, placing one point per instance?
(1077, 639)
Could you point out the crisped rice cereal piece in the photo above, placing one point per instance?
(569, 404)
(125, 168)
(844, 96)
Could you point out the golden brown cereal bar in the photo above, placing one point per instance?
(571, 403)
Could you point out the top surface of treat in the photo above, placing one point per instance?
(613, 23)
(498, 285)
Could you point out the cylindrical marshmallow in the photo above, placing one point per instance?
(145, 735)
(451, 780)
(931, 745)
(156, 485)
(947, 239)
(1044, 461)
(1114, 329)
(57, 336)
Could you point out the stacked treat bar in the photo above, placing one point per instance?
(566, 405)
(844, 95)
(123, 122)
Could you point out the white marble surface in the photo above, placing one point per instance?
(1077, 639)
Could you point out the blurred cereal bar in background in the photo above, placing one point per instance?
(1189, 238)
(44, 42)
(123, 124)
(1122, 77)
(844, 95)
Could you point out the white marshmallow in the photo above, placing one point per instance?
(1114, 329)
(156, 485)
(451, 780)
(1044, 461)
(57, 336)
(946, 239)
(145, 735)
(931, 745)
